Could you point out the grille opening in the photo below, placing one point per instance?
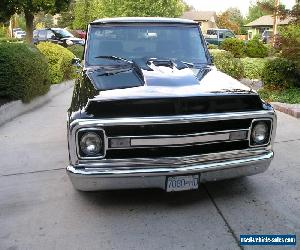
(176, 151)
(177, 129)
(218, 103)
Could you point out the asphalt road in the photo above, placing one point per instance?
(39, 209)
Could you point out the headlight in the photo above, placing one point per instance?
(69, 42)
(260, 133)
(91, 144)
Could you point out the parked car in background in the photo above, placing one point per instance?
(14, 30)
(149, 110)
(20, 34)
(217, 36)
(56, 35)
(267, 36)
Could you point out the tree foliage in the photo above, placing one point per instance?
(290, 43)
(231, 19)
(88, 10)
(66, 18)
(255, 10)
(30, 8)
(289, 36)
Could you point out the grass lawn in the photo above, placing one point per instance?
(291, 95)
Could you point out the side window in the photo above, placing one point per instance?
(221, 34)
(42, 34)
(50, 34)
(229, 34)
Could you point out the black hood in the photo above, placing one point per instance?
(173, 79)
(152, 90)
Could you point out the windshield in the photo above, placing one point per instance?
(145, 41)
(62, 32)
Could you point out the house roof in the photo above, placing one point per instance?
(199, 15)
(267, 20)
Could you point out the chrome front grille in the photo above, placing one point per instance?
(154, 138)
(180, 139)
(181, 151)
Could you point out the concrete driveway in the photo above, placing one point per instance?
(39, 209)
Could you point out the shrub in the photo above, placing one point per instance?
(290, 95)
(23, 72)
(256, 49)
(10, 40)
(235, 46)
(227, 63)
(59, 59)
(290, 43)
(3, 31)
(280, 73)
(253, 67)
(77, 50)
(212, 46)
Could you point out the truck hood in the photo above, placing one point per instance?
(162, 81)
(159, 90)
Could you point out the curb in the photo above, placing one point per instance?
(14, 109)
(290, 109)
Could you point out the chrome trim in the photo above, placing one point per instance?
(171, 119)
(180, 140)
(101, 123)
(172, 161)
(211, 137)
(88, 179)
(105, 144)
(250, 133)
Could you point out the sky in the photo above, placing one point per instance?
(222, 5)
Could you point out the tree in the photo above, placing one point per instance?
(256, 11)
(30, 8)
(88, 10)
(66, 18)
(46, 20)
(230, 19)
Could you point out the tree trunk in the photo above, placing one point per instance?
(275, 23)
(29, 26)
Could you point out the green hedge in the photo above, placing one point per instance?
(77, 50)
(290, 95)
(280, 73)
(235, 46)
(227, 63)
(212, 46)
(23, 72)
(253, 48)
(253, 67)
(10, 40)
(59, 59)
(256, 49)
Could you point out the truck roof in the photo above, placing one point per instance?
(143, 20)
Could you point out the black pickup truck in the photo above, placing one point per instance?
(149, 110)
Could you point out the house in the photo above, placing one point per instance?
(206, 19)
(258, 26)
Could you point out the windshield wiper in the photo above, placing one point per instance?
(132, 64)
(115, 58)
(190, 65)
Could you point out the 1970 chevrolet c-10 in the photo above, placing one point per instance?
(150, 110)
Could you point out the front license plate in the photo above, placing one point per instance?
(182, 183)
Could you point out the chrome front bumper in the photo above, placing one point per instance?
(146, 173)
